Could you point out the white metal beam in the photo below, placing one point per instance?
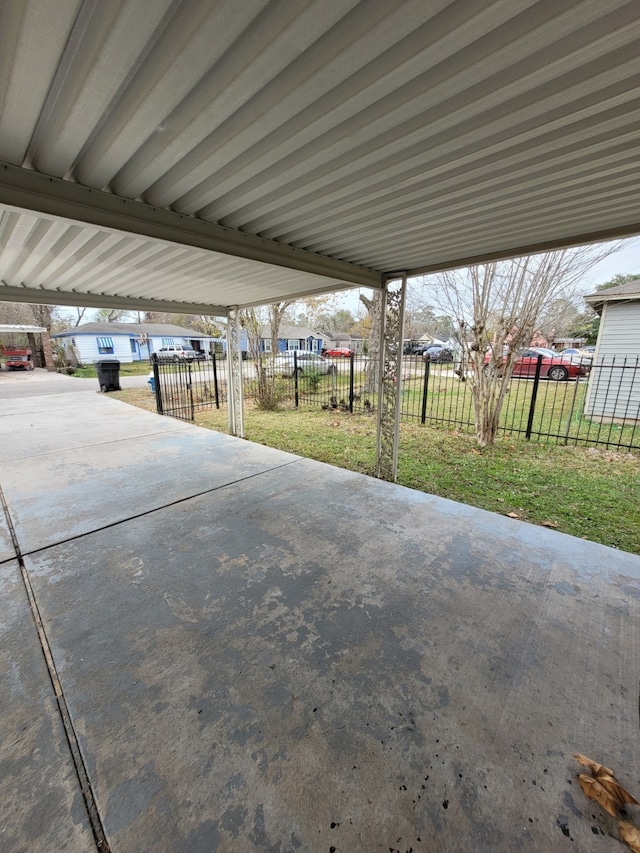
(42, 296)
(26, 190)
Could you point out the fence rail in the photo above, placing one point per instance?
(601, 408)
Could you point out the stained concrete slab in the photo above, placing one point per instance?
(74, 491)
(31, 426)
(42, 804)
(301, 658)
(313, 660)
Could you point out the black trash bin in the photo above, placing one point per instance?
(109, 374)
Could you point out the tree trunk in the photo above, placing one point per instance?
(372, 370)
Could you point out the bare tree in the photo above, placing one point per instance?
(497, 307)
(277, 312)
(111, 315)
(252, 320)
(80, 314)
(374, 307)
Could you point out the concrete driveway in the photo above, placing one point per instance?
(210, 645)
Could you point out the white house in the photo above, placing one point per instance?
(128, 341)
(614, 383)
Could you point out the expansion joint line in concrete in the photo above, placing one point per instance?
(74, 747)
(153, 510)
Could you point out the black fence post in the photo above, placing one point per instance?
(425, 388)
(215, 379)
(190, 387)
(156, 383)
(295, 377)
(534, 394)
(351, 375)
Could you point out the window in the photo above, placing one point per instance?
(293, 345)
(133, 345)
(105, 346)
(167, 342)
(315, 344)
(267, 344)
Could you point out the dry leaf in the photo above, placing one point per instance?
(615, 789)
(592, 765)
(548, 524)
(593, 790)
(513, 515)
(602, 786)
(605, 776)
(630, 835)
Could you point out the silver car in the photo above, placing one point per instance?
(285, 363)
(177, 353)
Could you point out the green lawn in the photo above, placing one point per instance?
(588, 492)
(558, 408)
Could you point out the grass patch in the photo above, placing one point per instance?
(592, 493)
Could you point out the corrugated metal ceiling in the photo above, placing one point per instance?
(260, 150)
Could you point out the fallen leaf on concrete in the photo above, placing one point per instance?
(592, 765)
(630, 835)
(607, 779)
(613, 787)
(602, 786)
(548, 524)
(593, 790)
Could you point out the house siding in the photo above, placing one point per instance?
(614, 388)
(86, 345)
(87, 348)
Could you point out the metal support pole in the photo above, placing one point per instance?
(390, 387)
(234, 374)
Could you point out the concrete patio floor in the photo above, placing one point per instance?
(256, 652)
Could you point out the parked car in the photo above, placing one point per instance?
(18, 359)
(553, 365)
(437, 353)
(177, 353)
(413, 348)
(337, 352)
(285, 363)
(574, 352)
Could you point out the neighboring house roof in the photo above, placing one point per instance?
(627, 292)
(154, 329)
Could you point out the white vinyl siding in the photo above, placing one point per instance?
(614, 389)
(87, 348)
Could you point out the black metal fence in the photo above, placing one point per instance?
(306, 380)
(600, 408)
(183, 388)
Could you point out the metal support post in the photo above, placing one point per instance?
(234, 374)
(390, 380)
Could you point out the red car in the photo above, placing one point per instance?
(338, 352)
(553, 366)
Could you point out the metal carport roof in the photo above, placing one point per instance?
(192, 155)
